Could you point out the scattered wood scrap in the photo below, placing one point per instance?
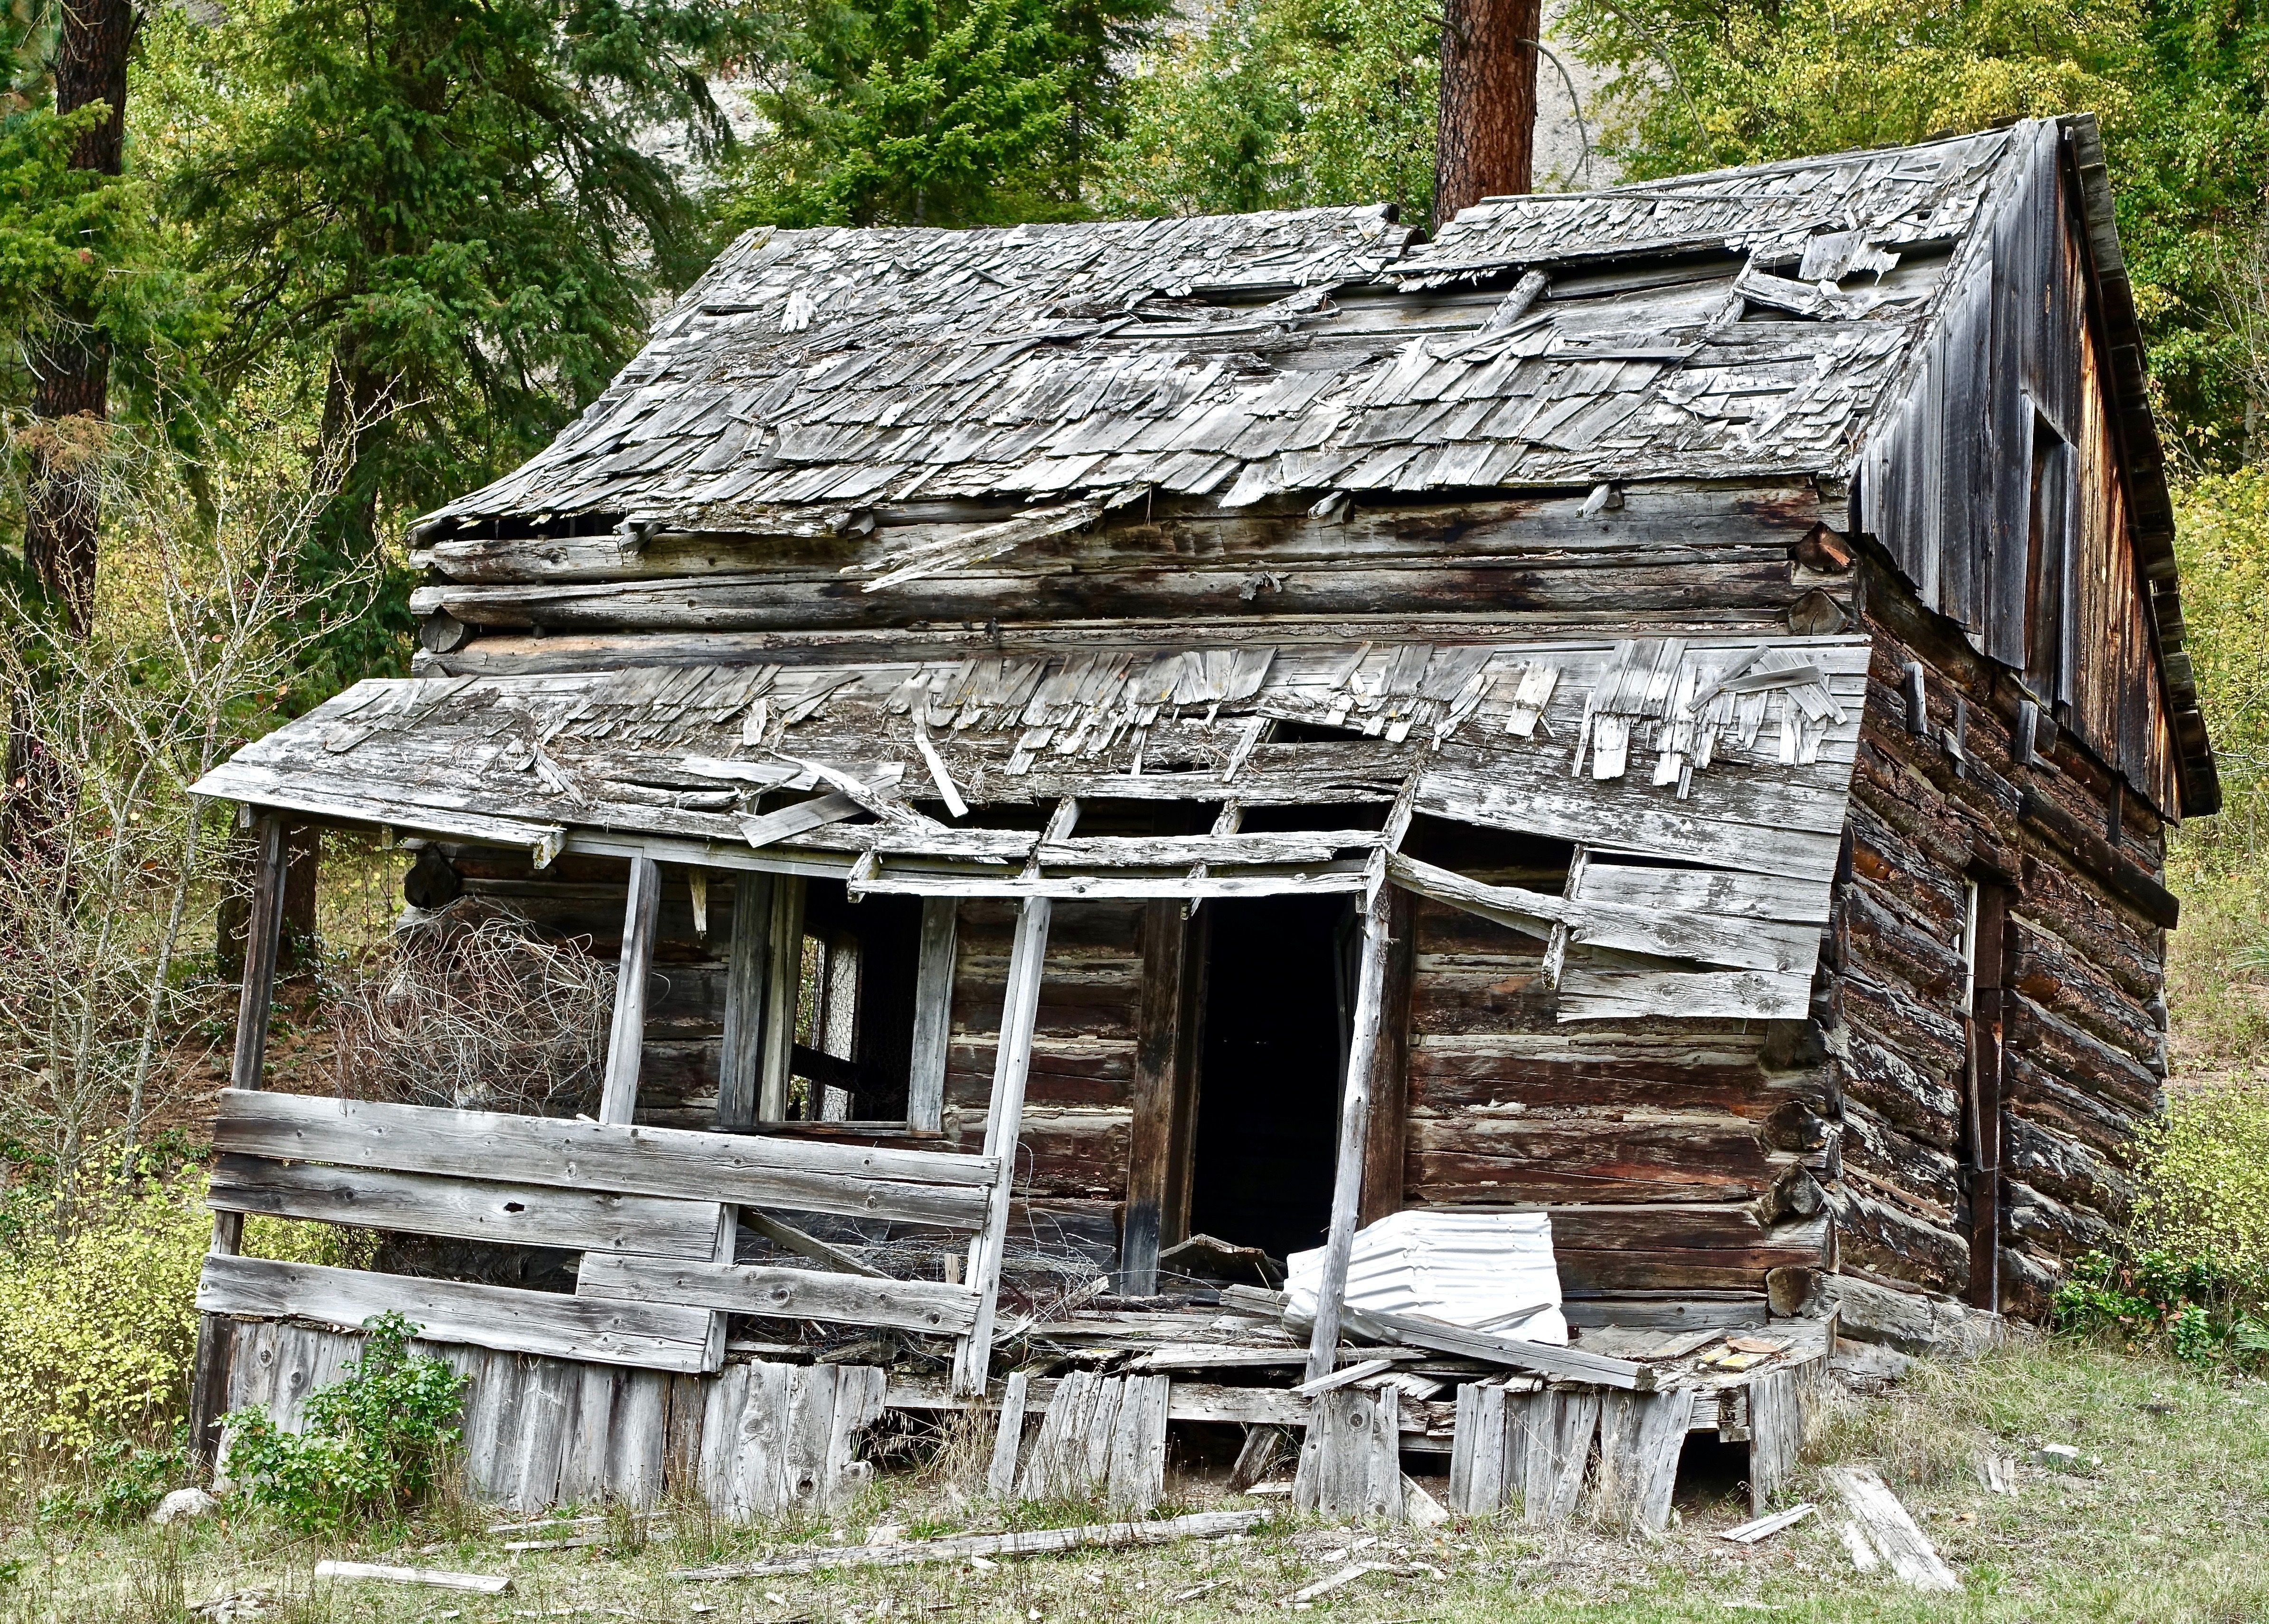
(963, 1547)
(1765, 1527)
(480, 1583)
(1880, 1532)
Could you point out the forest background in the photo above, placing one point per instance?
(315, 266)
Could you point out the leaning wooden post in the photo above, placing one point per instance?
(263, 934)
(626, 1041)
(1003, 1122)
(1355, 1127)
(740, 1058)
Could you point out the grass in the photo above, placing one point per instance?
(2172, 1525)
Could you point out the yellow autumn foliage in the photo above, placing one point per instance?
(98, 1315)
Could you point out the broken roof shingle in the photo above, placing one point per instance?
(1246, 355)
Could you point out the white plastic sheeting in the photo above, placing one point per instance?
(1485, 1270)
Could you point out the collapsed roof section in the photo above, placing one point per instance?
(1702, 784)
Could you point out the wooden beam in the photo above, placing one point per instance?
(209, 1377)
(740, 1062)
(790, 1238)
(1002, 1124)
(626, 1039)
(1387, 1144)
(648, 1336)
(1157, 1048)
(264, 936)
(780, 1293)
(1354, 1132)
(932, 1014)
(783, 981)
(520, 1214)
(926, 1187)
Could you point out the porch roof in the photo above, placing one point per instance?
(1722, 766)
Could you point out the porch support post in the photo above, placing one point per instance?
(626, 1042)
(263, 934)
(740, 1060)
(1355, 1128)
(1158, 1049)
(1012, 1057)
(933, 1016)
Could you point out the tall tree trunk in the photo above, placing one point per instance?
(73, 367)
(1485, 143)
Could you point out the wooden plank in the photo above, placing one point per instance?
(480, 1583)
(793, 1239)
(1543, 1357)
(1641, 1436)
(1158, 1046)
(1776, 1434)
(925, 1306)
(1879, 1527)
(1589, 994)
(1562, 1423)
(626, 1036)
(1028, 1542)
(1055, 1466)
(262, 938)
(791, 821)
(858, 1407)
(1355, 1128)
(1007, 1439)
(1173, 851)
(1725, 892)
(783, 987)
(1004, 1121)
(208, 1374)
(759, 1171)
(1488, 1451)
(657, 1337)
(933, 1014)
(1138, 1445)
(740, 1061)
(1351, 1463)
(469, 1208)
(1533, 913)
(1322, 880)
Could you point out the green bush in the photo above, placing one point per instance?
(2204, 1312)
(125, 1482)
(373, 1444)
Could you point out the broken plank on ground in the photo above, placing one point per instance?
(960, 1547)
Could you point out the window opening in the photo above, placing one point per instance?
(851, 1042)
(2048, 568)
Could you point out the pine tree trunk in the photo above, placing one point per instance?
(1486, 139)
(64, 522)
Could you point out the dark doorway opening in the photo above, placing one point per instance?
(1274, 1051)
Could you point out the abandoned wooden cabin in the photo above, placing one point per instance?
(1660, 706)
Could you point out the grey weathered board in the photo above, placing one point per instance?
(1562, 1422)
(1102, 1436)
(857, 1181)
(782, 1293)
(469, 1208)
(539, 1432)
(651, 1336)
(1489, 1453)
(1641, 1437)
(1350, 1461)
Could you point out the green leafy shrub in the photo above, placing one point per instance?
(2202, 1309)
(124, 1483)
(373, 1444)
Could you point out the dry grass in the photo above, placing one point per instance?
(2169, 1526)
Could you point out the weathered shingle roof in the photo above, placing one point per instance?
(1244, 355)
(1729, 759)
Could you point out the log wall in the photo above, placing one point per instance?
(2083, 1049)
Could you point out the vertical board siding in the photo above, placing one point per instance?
(754, 1440)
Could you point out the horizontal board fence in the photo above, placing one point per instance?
(652, 1211)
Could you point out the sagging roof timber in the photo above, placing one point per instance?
(1722, 766)
(1767, 322)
